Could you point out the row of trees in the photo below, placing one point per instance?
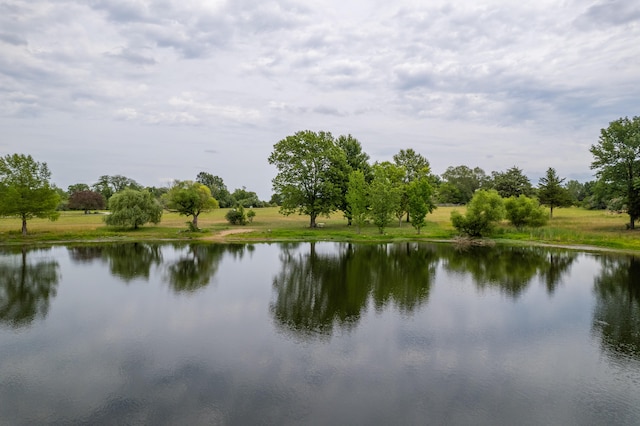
(319, 174)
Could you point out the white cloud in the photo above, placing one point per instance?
(444, 78)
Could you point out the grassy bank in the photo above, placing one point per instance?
(571, 226)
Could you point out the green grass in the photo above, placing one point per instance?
(570, 226)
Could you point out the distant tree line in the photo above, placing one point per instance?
(319, 175)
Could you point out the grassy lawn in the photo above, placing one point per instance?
(570, 226)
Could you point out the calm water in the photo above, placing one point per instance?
(318, 334)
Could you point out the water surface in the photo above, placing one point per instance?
(318, 333)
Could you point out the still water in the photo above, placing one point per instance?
(320, 333)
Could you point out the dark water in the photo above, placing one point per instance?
(318, 334)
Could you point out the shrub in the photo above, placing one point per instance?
(237, 216)
(524, 211)
(483, 211)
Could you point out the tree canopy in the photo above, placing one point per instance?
(460, 183)
(312, 170)
(190, 198)
(133, 208)
(617, 162)
(86, 200)
(551, 192)
(511, 183)
(25, 190)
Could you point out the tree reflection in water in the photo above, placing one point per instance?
(127, 261)
(511, 269)
(195, 268)
(25, 287)
(315, 292)
(616, 318)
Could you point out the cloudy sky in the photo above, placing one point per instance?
(161, 90)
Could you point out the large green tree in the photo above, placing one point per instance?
(617, 161)
(356, 159)
(460, 183)
(419, 203)
(385, 194)
(415, 166)
(86, 200)
(217, 187)
(511, 183)
(190, 199)
(312, 170)
(358, 198)
(25, 190)
(109, 185)
(551, 192)
(133, 208)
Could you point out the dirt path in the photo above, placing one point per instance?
(222, 234)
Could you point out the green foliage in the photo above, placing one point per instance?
(358, 198)
(385, 194)
(551, 192)
(485, 209)
(109, 185)
(356, 159)
(312, 170)
(511, 183)
(524, 211)
(617, 161)
(25, 190)
(246, 198)
(250, 215)
(460, 183)
(419, 202)
(190, 198)
(217, 187)
(415, 166)
(133, 208)
(237, 216)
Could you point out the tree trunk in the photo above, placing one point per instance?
(195, 221)
(551, 212)
(24, 226)
(312, 222)
(632, 223)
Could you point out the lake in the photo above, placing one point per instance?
(318, 333)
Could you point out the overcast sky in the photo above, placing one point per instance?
(161, 90)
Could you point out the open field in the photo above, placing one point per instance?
(571, 226)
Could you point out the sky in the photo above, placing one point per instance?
(162, 90)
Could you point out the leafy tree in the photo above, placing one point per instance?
(419, 202)
(78, 187)
(190, 199)
(385, 194)
(86, 200)
(577, 191)
(617, 161)
(551, 192)
(524, 211)
(109, 185)
(415, 166)
(246, 198)
(311, 169)
(218, 189)
(356, 159)
(25, 190)
(275, 200)
(485, 209)
(358, 198)
(133, 208)
(462, 182)
(511, 183)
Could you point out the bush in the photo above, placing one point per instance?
(483, 211)
(237, 216)
(524, 211)
(250, 215)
